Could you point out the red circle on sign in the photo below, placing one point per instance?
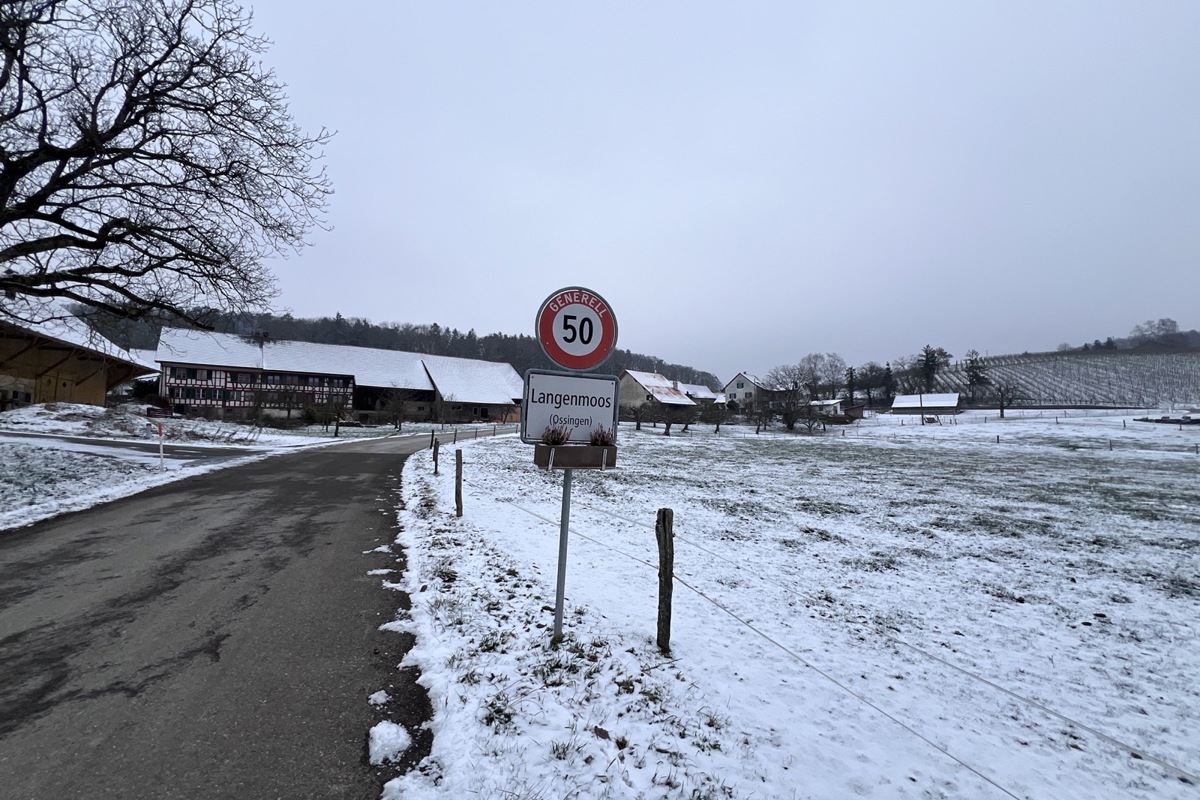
(576, 328)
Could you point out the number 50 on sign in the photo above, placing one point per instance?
(576, 328)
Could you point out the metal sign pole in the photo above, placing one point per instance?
(562, 557)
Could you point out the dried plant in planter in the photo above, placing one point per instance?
(555, 435)
(603, 437)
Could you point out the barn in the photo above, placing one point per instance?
(226, 375)
(60, 360)
(927, 404)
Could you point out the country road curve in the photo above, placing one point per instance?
(212, 638)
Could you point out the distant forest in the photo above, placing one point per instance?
(1153, 333)
(522, 352)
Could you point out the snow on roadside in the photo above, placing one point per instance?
(42, 480)
(902, 611)
(44, 476)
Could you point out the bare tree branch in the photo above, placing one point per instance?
(148, 160)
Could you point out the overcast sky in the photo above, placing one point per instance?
(746, 183)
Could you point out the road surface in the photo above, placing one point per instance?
(212, 638)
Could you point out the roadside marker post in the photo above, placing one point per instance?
(162, 464)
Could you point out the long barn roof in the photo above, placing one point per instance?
(927, 401)
(463, 379)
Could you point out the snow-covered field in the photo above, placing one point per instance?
(889, 611)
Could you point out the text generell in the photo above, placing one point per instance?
(565, 299)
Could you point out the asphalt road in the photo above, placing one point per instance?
(213, 638)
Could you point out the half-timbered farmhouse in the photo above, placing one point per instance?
(225, 375)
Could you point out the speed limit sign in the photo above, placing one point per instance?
(576, 328)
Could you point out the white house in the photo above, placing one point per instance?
(745, 392)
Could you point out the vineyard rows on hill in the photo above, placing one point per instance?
(1130, 379)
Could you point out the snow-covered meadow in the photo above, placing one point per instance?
(890, 610)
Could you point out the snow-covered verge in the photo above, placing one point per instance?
(129, 423)
(46, 476)
(889, 611)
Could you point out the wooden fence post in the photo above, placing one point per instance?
(458, 483)
(664, 531)
(436, 447)
(432, 438)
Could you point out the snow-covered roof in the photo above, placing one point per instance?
(697, 391)
(59, 325)
(825, 403)
(660, 388)
(463, 379)
(484, 382)
(144, 357)
(916, 402)
(752, 378)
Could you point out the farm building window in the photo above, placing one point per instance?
(741, 385)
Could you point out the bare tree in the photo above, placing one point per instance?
(870, 378)
(1006, 395)
(636, 412)
(762, 416)
(148, 161)
(812, 368)
(789, 391)
(714, 414)
(833, 372)
(907, 374)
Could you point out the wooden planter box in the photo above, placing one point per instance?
(575, 456)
